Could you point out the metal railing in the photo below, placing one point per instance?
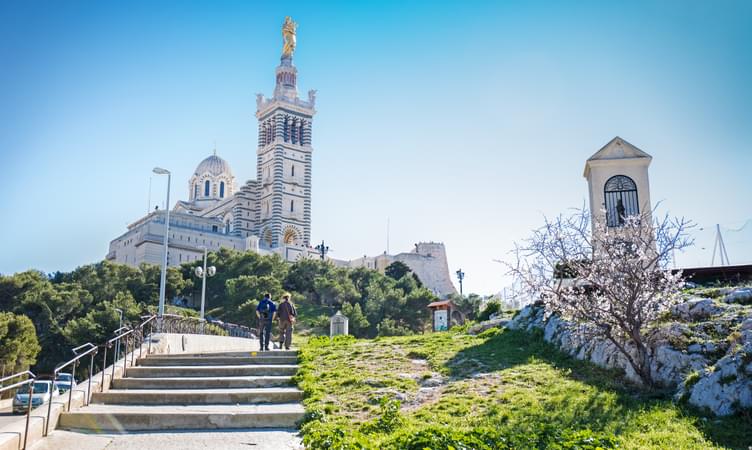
(172, 323)
(31, 378)
(149, 320)
(125, 339)
(91, 351)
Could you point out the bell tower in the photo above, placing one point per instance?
(617, 176)
(284, 155)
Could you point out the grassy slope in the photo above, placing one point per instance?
(509, 381)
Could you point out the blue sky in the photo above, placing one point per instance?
(461, 122)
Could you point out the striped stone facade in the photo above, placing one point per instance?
(284, 163)
(271, 214)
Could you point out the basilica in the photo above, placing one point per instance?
(270, 214)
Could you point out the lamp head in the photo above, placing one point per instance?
(160, 171)
(211, 271)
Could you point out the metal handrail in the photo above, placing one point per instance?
(195, 325)
(88, 344)
(133, 336)
(149, 321)
(93, 349)
(30, 380)
(109, 343)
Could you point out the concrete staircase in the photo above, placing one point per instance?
(197, 392)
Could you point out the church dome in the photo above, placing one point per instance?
(213, 181)
(214, 165)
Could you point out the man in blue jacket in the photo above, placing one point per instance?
(266, 312)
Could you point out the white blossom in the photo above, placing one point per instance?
(612, 280)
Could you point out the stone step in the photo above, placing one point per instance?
(124, 418)
(216, 360)
(210, 355)
(198, 396)
(202, 382)
(211, 371)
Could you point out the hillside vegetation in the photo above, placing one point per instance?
(501, 389)
(68, 309)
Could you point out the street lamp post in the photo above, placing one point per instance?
(460, 276)
(120, 325)
(323, 250)
(163, 283)
(203, 273)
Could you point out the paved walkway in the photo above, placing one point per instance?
(7, 417)
(266, 439)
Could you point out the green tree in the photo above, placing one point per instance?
(390, 327)
(397, 270)
(251, 287)
(11, 287)
(302, 276)
(358, 323)
(336, 288)
(19, 346)
(418, 316)
(469, 304)
(98, 324)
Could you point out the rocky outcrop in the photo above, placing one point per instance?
(486, 325)
(703, 348)
(742, 296)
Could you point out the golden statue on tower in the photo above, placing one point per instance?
(288, 37)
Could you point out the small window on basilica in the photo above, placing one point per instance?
(206, 188)
(292, 205)
(221, 189)
(293, 171)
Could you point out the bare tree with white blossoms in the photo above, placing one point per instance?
(614, 281)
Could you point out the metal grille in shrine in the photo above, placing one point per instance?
(621, 200)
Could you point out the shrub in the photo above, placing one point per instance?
(489, 333)
(389, 327)
(389, 417)
(326, 436)
(491, 308)
(692, 379)
(446, 438)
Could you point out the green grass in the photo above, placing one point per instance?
(502, 389)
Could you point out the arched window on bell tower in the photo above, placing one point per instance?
(221, 189)
(206, 188)
(620, 194)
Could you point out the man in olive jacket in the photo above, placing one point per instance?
(286, 314)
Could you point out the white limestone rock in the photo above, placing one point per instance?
(741, 295)
(696, 309)
(728, 386)
(676, 334)
(688, 345)
(669, 366)
(695, 348)
(527, 318)
(487, 325)
(434, 381)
